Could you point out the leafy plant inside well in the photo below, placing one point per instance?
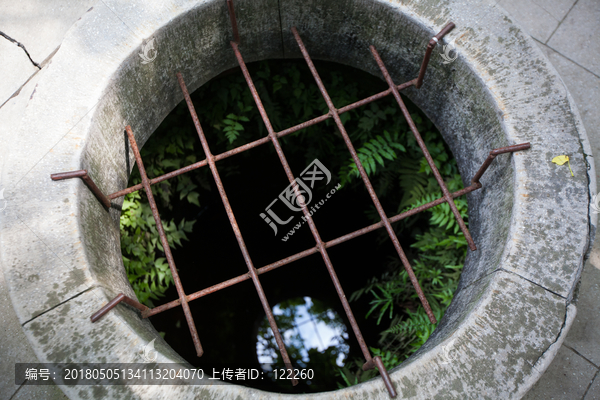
(388, 151)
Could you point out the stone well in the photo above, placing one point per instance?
(60, 249)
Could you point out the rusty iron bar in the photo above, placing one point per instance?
(83, 174)
(236, 35)
(305, 253)
(260, 141)
(419, 139)
(365, 177)
(113, 303)
(377, 96)
(161, 178)
(165, 242)
(386, 378)
(273, 136)
(230, 282)
(146, 312)
(236, 229)
(493, 154)
(403, 215)
(190, 167)
(430, 46)
(414, 82)
(319, 242)
(475, 185)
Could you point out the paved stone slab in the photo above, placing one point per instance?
(584, 336)
(594, 391)
(40, 25)
(557, 8)
(576, 37)
(14, 346)
(87, 82)
(585, 89)
(11, 114)
(535, 18)
(15, 69)
(568, 378)
(594, 259)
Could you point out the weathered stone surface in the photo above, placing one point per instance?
(40, 25)
(531, 220)
(109, 340)
(463, 357)
(14, 64)
(14, 346)
(28, 392)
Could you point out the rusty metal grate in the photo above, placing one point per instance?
(321, 246)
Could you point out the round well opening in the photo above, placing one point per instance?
(367, 266)
(443, 98)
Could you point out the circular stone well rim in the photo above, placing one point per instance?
(61, 250)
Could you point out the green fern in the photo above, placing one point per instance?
(412, 183)
(442, 215)
(149, 276)
(439, 253)
(372, 153)
(233, 128)
(385, 301)
(417, 324)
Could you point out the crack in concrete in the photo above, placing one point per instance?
(581, 355)
(18, 92)
(22, 47)
(561, 21)
(535, 283)
(591, 231)
(281, 28)
(590, 385)
(558, 337)
(17, 391)
(566, 58)
(59, 304)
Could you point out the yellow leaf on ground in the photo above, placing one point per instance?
(560, 160)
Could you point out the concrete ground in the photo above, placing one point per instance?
(31, 31)
(563, 29)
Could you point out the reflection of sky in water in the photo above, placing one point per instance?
(315, 334)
